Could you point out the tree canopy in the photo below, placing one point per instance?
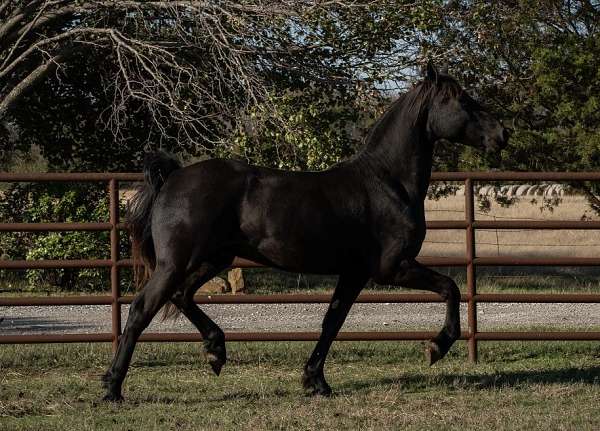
(538, 65)
(92, 82)
(293, 84)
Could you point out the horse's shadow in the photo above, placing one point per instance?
(588, 375)
(404, 384)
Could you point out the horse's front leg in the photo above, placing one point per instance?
(346, 291)
(411, 274)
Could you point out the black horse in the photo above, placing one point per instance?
(362, 219)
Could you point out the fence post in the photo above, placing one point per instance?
(113, 199)
(471, 274)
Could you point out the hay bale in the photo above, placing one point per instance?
(216, 285)
(236, 280)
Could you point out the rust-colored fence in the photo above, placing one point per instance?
(471, 261)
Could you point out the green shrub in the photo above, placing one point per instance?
(59, 202)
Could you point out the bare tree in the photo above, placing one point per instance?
(192, 64)
(157, 50)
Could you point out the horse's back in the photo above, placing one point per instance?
(299, 221)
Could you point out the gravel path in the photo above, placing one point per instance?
(304, 317)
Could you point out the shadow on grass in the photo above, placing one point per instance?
(194, 399)
(589, 375)
(405, 384)
(252, 395)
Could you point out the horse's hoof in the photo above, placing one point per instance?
(315, 386)
(113, 398)
(433, 353)
(215, 352)
(215, 362)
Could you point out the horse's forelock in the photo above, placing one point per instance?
(421, 95)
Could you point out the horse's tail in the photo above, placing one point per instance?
(157, 167)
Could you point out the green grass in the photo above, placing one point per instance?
(377, 386)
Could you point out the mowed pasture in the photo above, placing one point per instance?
(377, 386)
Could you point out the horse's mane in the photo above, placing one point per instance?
(413, 104)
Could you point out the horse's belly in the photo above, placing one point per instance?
(302, 255)
(299, 231)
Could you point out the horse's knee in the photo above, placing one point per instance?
(136, 312)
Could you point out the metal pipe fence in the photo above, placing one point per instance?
(470, 262)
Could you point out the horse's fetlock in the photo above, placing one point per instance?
(315, 384)
(106, 379)
(109, 379)
(217, 335)
(215, 351)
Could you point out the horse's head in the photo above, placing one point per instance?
(455, 116)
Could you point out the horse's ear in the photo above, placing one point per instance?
(431, 73)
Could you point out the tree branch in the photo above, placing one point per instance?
(26, 84)
(592, 199)
(4, 5)
(48, 41)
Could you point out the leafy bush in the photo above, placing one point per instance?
(60, 202)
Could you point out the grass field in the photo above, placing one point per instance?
(377, 386)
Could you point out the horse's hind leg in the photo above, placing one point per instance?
(416, 276)
(213, 336)
(144, 307)
(346, 291)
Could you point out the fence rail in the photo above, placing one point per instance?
(470, 262)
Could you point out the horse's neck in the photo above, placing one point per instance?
(402, 155)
